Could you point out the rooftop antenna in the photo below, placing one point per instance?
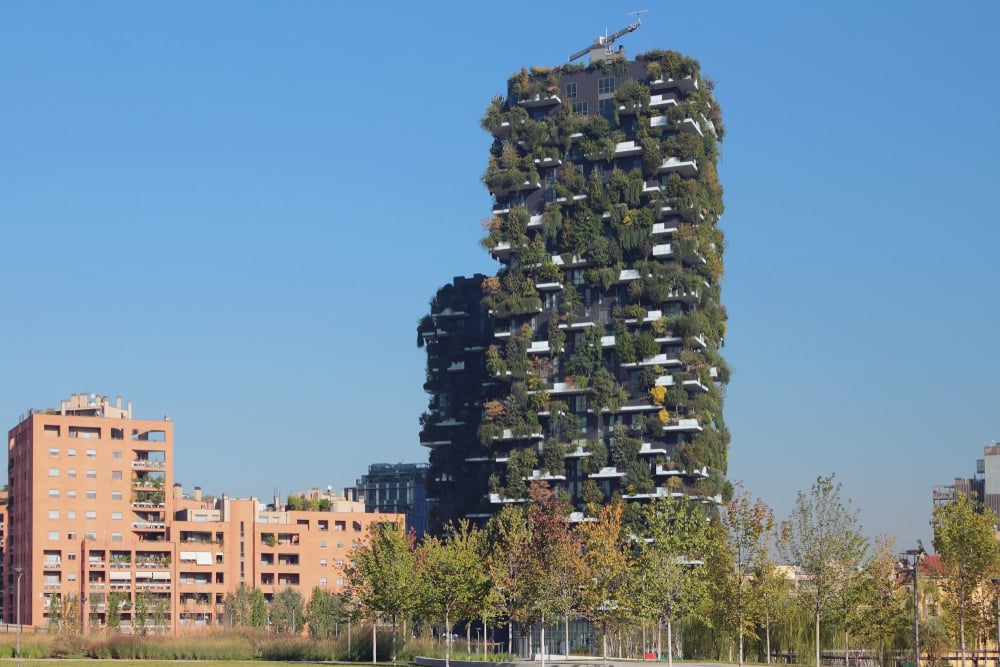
(603, 43)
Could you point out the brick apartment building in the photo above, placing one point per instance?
(94, 515)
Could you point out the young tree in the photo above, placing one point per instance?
(556, 572)
(383, 576)
(822, 537)
(749, 529)
(880, 613)
(246, 608)
(286, 612)
(508, 565)
(449, 576)
(671, 554)
(604, 595)
(963, 536)
(325, 612)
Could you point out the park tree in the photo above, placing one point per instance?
(748, 530)
(822, 537)
(325, 612)
(508, 565)
(246, 608)
(450, 577)
(556, 572)
(383, 576)
(671, 556)
(604, 594)
(879, 614)
(963, 537)
(771, 588)
(286, 612)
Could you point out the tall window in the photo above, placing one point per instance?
(571, 91)
(606, 85)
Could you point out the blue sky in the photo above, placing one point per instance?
(235, 213)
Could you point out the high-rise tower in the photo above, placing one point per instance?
(598, 354)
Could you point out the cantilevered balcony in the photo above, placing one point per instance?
(607, 472)
(567, 388)
(683, 426)
(690, 125)
(497, 499)
(501, 251)
(548, 286)
(662, 250)
(540, 101)
(660, 228)
(685, 85)
(686, 168)
(662, 101)
(538, 347)
(626, 148)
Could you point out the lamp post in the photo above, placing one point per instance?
(20, 573)
(912, 558)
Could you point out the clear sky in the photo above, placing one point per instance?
(235, 213)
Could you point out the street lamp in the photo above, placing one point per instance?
(20, 573)
(912, 559)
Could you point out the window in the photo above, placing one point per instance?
(71, 493)
(580, 108)
(340, 582)
(91, 536)
(606, 85)
(322, 544)
(116, 495)
(340, 563)
(116, 474)
(53, 472)
(571, 91)
(607, 108)
(322, 562)
(53, 451)
(91, 515)
(53, 534)
(116, 516)
(70, 514)
(91, 494)
(51, 431)
(91, 453)
(71, 472)
(322, 581)
(116, 537)
(71, 451)
(53, 514)
(71, 576)
(92, 474)
(53, 493)
(340, 545)
(116, 453)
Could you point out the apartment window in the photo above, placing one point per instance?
(92, 474)
(116, 537)
(322, 562)
(53, 451)
(53, 514)
(71, 576)
(340, 563)
(71, 535)
(53, 534)
(53, 493)
(116, 516)
(580, 108)
(571, 91)
(116, 453)
(116, 474)
(51, 431)
(340, 582)
(70, 514)
(71, 472)
(91, 453)
(91, 494)
(322, 581)
(71, 555)
(116, 495)
(71, 493)
(91, 536)
(91, 515)
(340, 545)
(53, 472)
(71, 451)
(322, 544)
(607, 108)
(606, 85)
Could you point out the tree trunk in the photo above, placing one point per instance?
(659, 638)
(566, 637)
(739, 621)
(817, 638)
(670, 643)
(510, 637)
(484, 634)
(447, 642)
(468, 639)
(542, 639)
(767, 634)
(374, 642)
(961, 630)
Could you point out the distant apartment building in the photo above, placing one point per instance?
(94, 517)
(985, 483)
(397, 488)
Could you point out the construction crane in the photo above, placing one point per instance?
(604, 43)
